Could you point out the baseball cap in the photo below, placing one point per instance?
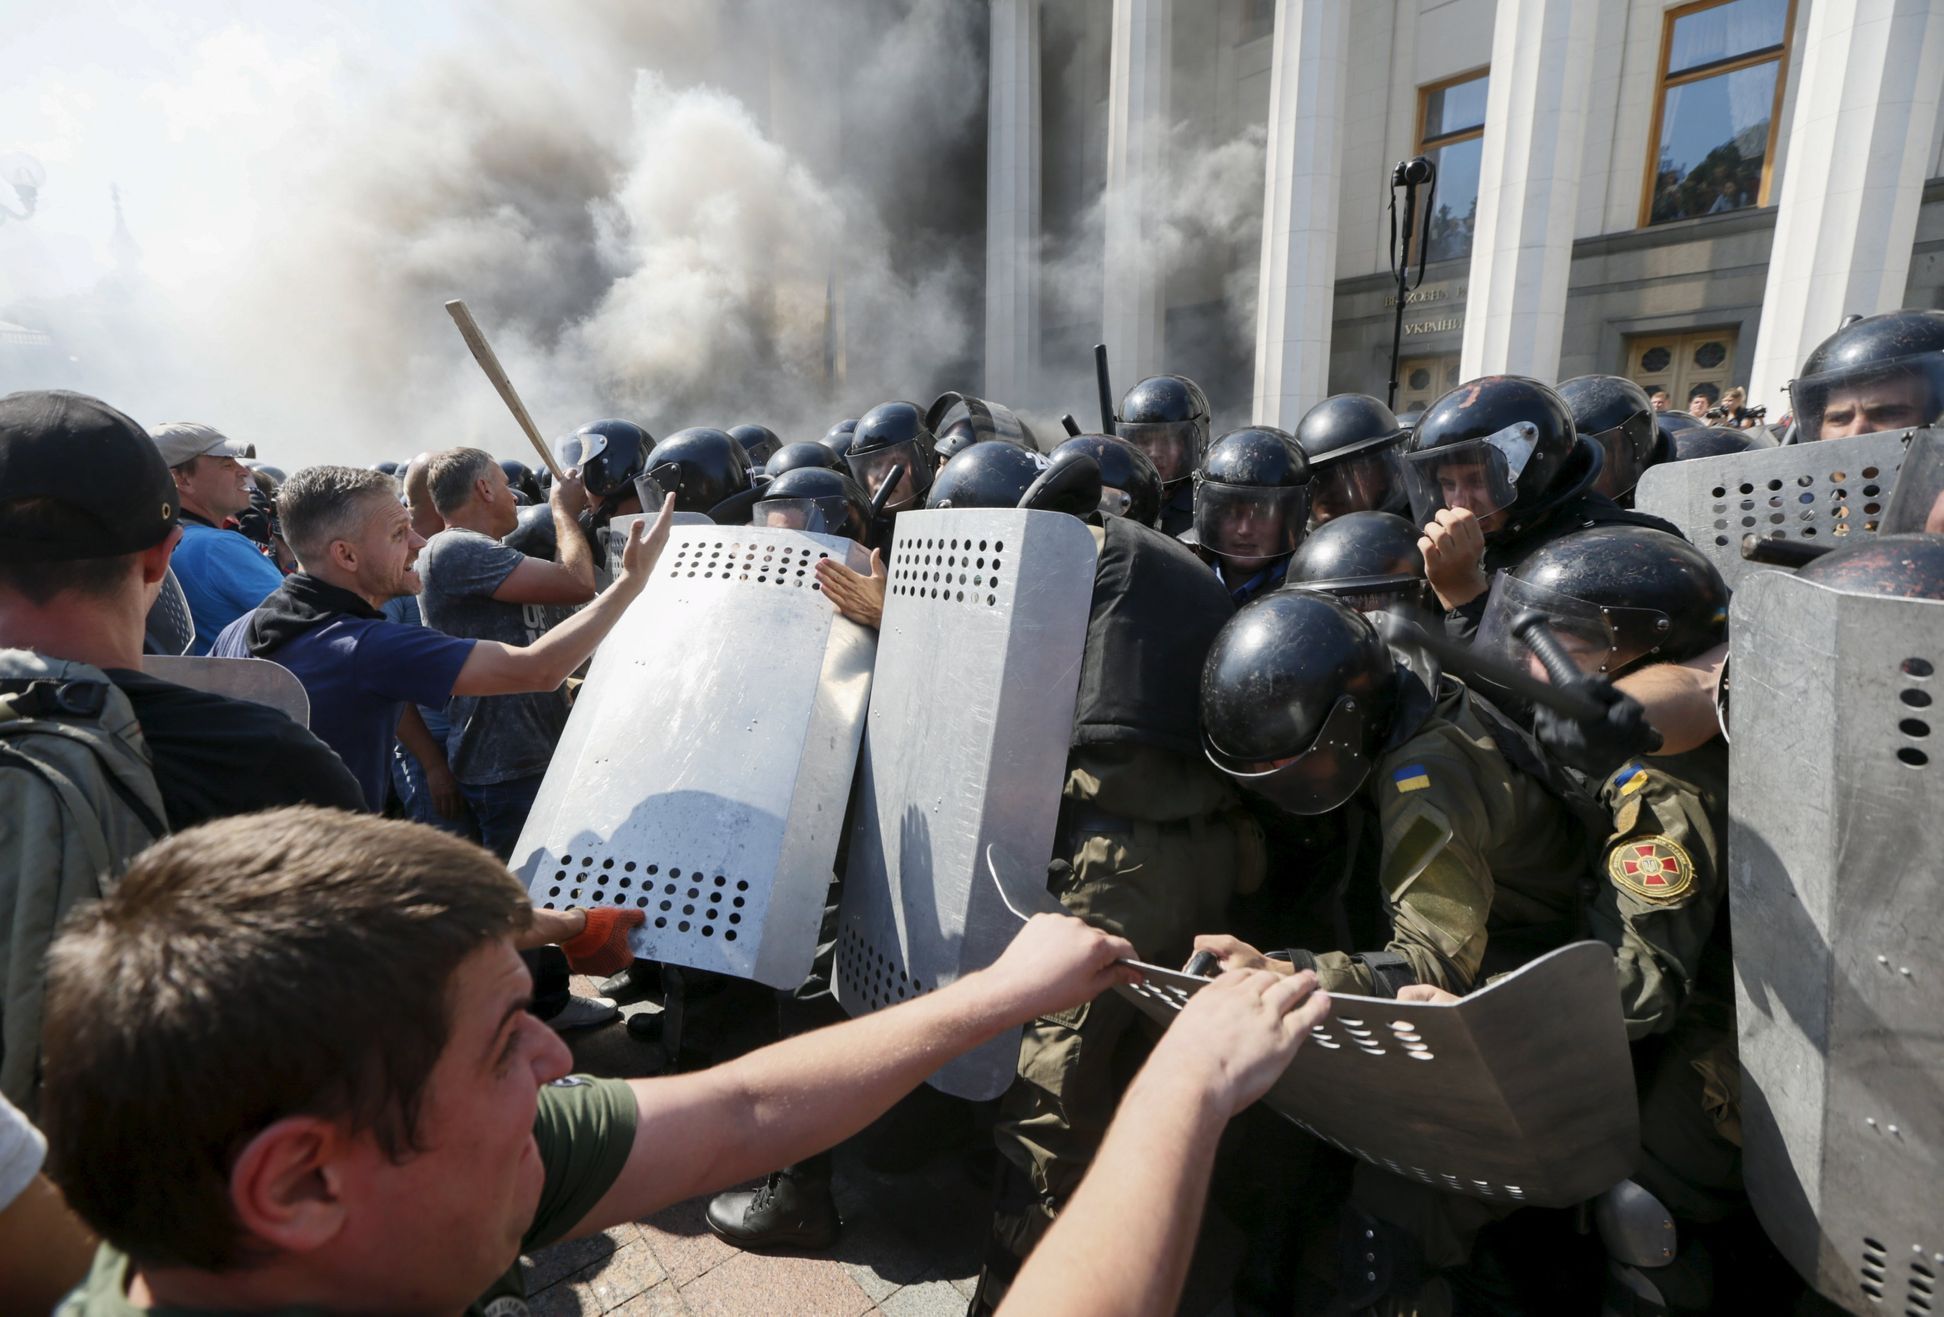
(185, 441)
(93, 462)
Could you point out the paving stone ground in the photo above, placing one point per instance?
(910, 1244)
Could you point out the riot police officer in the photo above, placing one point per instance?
(792, 456)
(1883, 372)
(759, 441)
(1167, 417)
(1615, 413)
(838, 437)
(1355, 450)
(1251, 508)
(1496, 468)
(524, 484)
(958, 421)
(1367, 559)
(818, 500)
(701, 466)
(893, 436)
(1130, 485)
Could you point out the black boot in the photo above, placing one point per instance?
(793, 1209)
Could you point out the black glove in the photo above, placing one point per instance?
(1597, 748)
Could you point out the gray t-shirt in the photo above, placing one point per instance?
(491, 738)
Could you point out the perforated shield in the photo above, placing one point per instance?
(169, 628)
(703, 772)
(1521, 1093)
(971, 717)
(1820, 493)
(1834, 845)
(613, 538)
(257, 680)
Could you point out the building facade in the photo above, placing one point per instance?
(1688, 193)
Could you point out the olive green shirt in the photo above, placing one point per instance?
(585, 1128)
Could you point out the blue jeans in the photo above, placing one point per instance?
(408, 784)
(501, 809)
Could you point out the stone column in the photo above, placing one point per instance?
(1295, 299)
(1858, 149)
(1133, 304)
(1012, 202)
(1528, 187)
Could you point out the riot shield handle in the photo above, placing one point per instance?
(885, 490)
(1202, 965)
(1106, 389)
(1781, 553)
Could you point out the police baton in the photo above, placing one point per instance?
(1106, 389)
(1071, 426)
(1471, 664)
(1781, 553)
(885, 490)
(1536, 634)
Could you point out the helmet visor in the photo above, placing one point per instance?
(1478, 475)
(1173, 446)
(649, 490)
(571, 449)
(1317, 780)
(1115, 502)
(1371, 594)
(1364, 483)
(1917, 499)
(819, 516)
(1250, 524)
(872, 469)
(1629, 446)
(1599, 639)
(1885, 395)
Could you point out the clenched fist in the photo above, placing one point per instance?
(1453, 545)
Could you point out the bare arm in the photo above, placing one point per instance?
(716, 1127)
(418, 740)
(569, 579)
(1123, 1244)
(498, 669)
(1680, 699)
(44, 1248)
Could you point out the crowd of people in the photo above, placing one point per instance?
(286, 1029)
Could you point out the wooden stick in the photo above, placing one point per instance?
(483, 353)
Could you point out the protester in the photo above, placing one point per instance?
(476, 588)
(421, 779)
(356, 546)
(222, 573)
(340, 1102)
(1658, 400)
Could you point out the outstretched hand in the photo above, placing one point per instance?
(1240, 1032)
(1056, 962)
(645, 544)
(858, 597)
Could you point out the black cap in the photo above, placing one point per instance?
(96, 463)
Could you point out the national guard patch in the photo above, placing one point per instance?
(1411, 777)
(1630, 779)
(1652, 867)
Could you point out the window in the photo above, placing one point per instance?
(1714, 118)
(1684, 364)
(1451, 131)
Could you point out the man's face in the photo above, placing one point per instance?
(387, 548)
(1892, 403)
(444, 1223)
(1658, 402)
(1252, 532)
(219, 487)
(499, 501)
(1357, 485)
(1698, 405)
(1468, 485)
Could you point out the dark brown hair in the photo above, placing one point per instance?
(295, 961)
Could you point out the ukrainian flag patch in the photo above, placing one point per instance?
(1411, 777)
(1630, 778)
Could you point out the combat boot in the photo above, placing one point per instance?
(792, 1208)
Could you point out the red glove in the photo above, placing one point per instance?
(602, 947)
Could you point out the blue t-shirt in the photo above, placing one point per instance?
(359, 673)
(223, 576)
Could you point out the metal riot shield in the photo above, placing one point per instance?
(1521, 1093)
(613, 538)
(1820, 493)
(971, 719)
(168, 628)
(1834, 842)
(257, 680)
(703, 771)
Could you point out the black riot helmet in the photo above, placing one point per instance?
(1355, 449)
(986, 476)
(700, 466)
(1129, 485)
(1902, 566)
(1505, 448)
(792, 457)
(839, 436)
(1615, 414)
(1296, 696)
(1367, 559)
(521, 480)
(1916, 504)
(611, 454)
(893, 434)
(1614, 595)
(1167, 417)
(759, 441)
(957, 422)
(1252, 496)
(1882, 372)
(1687, 442)
(818, 500)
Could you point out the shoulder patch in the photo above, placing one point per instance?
(1411, 777)
(1629, 779)
(1654, 868)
